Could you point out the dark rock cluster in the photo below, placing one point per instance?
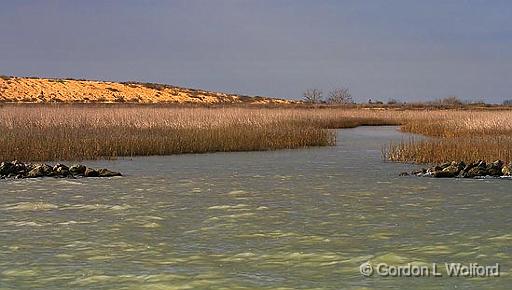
(16, 169)
(460, 169)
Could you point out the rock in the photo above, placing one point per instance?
(461, 165)
(20, 168)
(462, 170)
(469, 166)
(37, 171)
(452, 169)
(476, 171)
(419, 172)
(498, 163)
(77, 169)
(442, 174)
(40, 170)
(89, 172)
(444, 165)
(481, 164)
(47, 169)
(478, 168)
(108, 173)
(61, 170)
(506, 170)
(448, 172)
(494, 169)
(434, 169)
(6, 168)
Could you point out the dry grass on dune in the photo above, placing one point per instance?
(458, 135)
(76, 132)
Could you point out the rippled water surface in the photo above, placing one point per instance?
(284, 219)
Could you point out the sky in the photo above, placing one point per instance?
(405, 49)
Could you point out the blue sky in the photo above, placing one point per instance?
(379, 49)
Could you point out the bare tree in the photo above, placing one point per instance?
(340, 96)
(313, 96)
(450, 101)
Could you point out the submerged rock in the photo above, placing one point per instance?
(18, 170)
(108, 173)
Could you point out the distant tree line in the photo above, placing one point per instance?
(339, 96)
(342, 96)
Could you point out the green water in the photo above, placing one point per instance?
(286, 219)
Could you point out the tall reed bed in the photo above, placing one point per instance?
(77, 132)
(440, 150)
(457, 135)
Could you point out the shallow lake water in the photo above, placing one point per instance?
(284, 219)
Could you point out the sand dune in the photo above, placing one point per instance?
(43, 90)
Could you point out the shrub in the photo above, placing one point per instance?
(154, 86)
(113, 90)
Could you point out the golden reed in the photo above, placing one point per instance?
(457, 135)
(76, 132)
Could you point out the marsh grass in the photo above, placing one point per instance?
(77, 131)
(440, 150)
(74, 133)
(457, 135)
